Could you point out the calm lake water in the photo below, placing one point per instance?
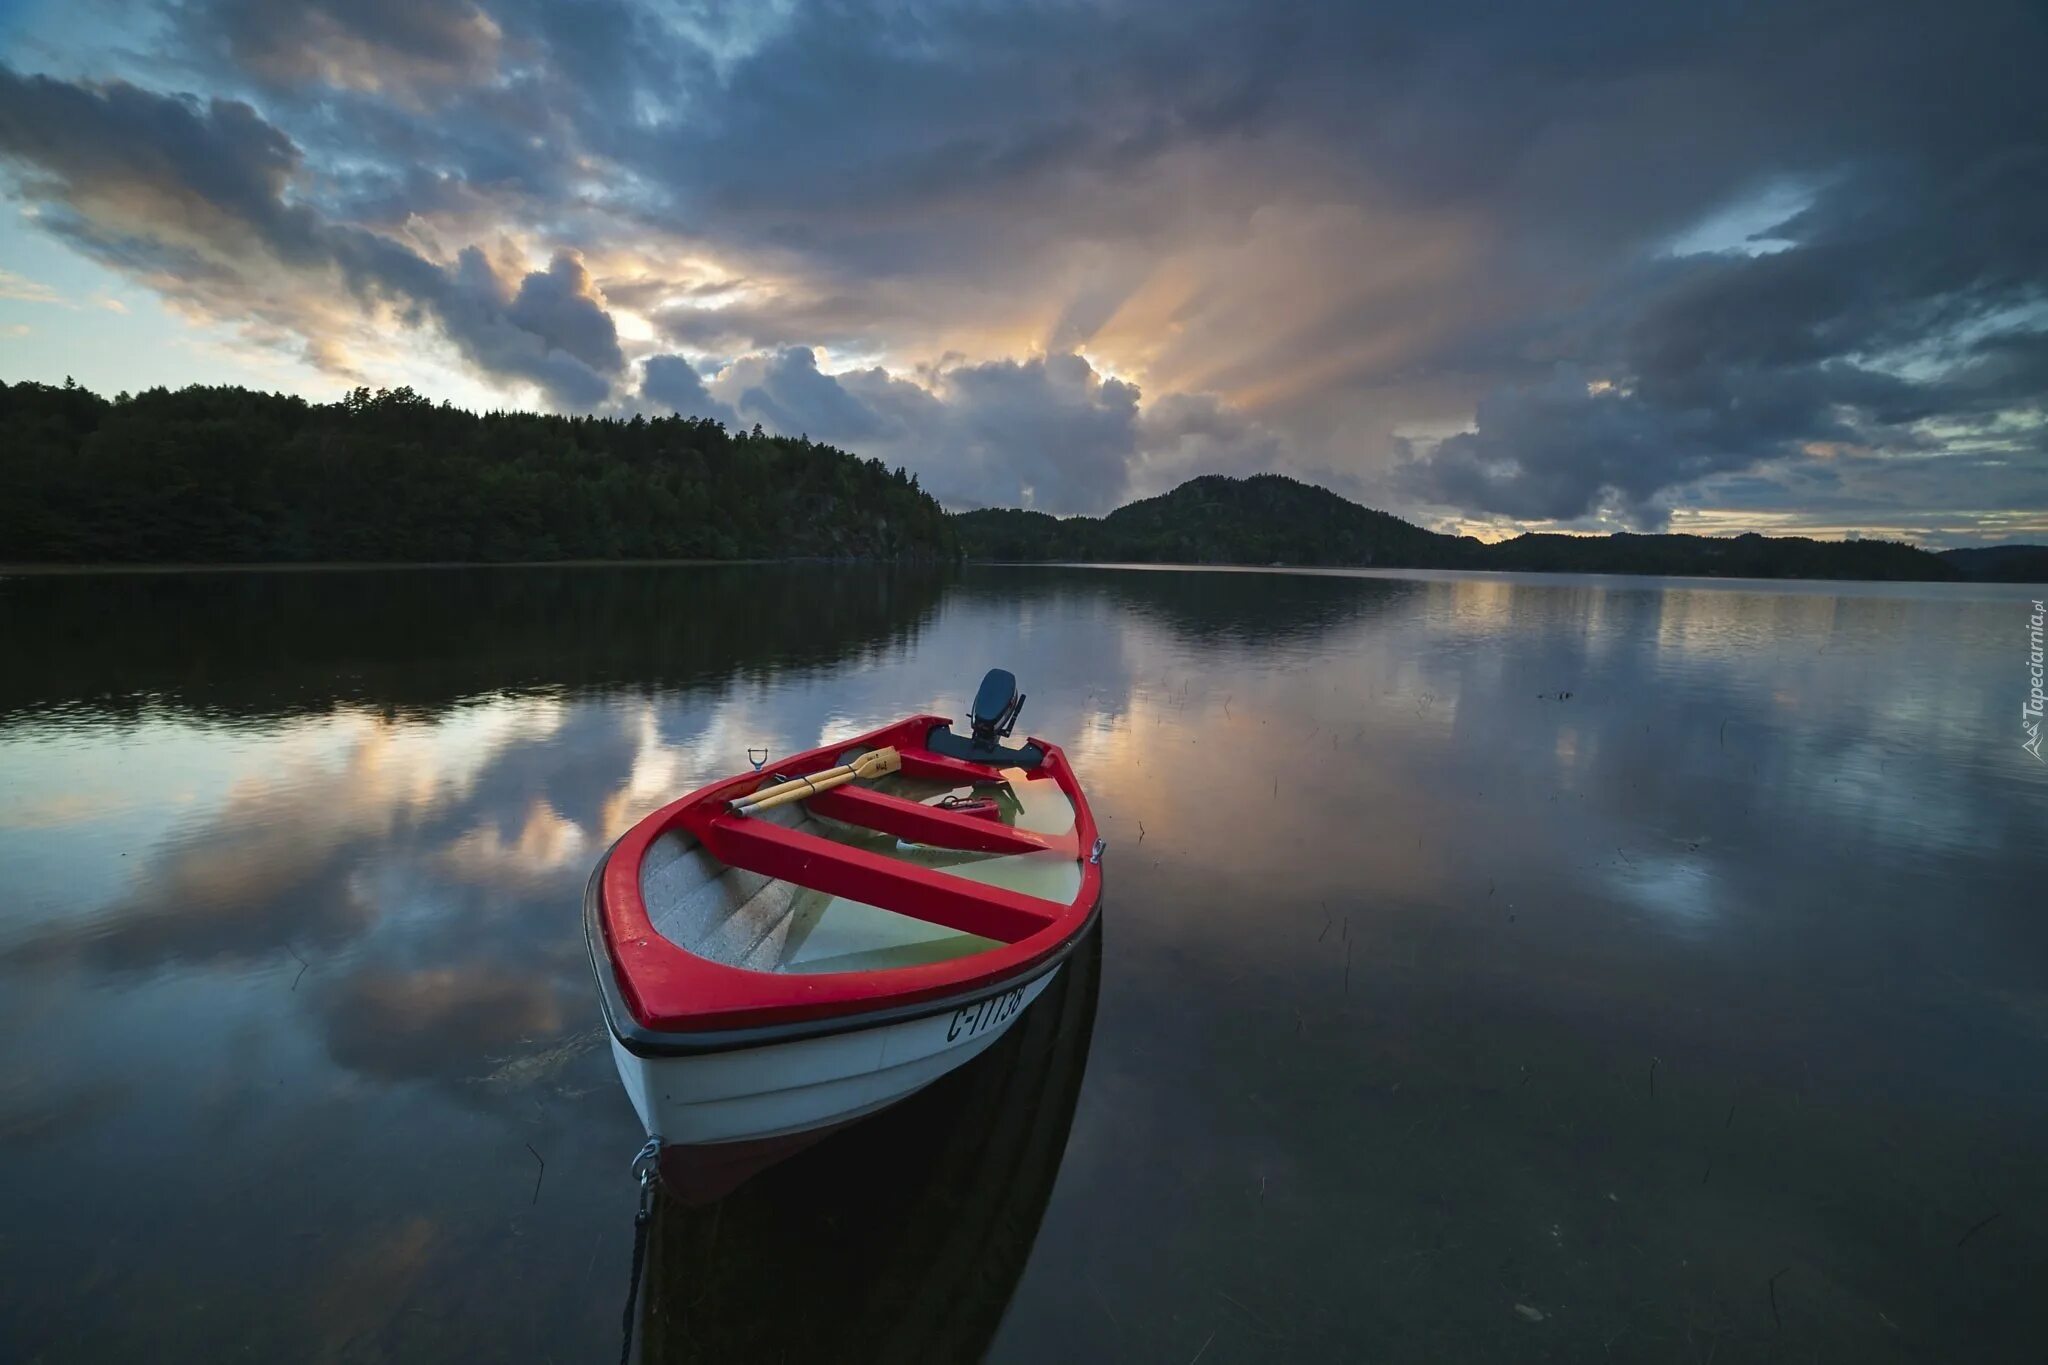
(1493, 968)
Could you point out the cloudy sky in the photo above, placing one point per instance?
(1708, 267)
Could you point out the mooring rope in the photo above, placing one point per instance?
(643, 1218)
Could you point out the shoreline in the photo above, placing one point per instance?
(1334, 570)
(372, 565)
(1425, 575)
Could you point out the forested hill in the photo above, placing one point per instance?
(1265, 519)
(2000, 563)
(228, 475)
(1271, 519)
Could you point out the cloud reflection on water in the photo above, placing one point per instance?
(1361, 837)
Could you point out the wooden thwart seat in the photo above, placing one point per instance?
(935, 825)
(923, 763)
(772, 850)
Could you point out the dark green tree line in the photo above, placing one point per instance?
(228, 475)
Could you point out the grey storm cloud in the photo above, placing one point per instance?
(1048, 432)
(1853, 332)
(1565, 448)
(370, 43)
(197, 192)
(557, 306)
(788, 392)
(669, 383)
(1423, 252)
(1052, 425)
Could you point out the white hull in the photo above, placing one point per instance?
(794, 1087)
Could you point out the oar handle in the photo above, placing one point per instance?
(794, 784)
(872, 764)
(797, 791)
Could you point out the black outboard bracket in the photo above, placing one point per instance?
(993, 717)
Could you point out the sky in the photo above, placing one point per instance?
(1709, 267)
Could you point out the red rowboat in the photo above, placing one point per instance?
(783, 951)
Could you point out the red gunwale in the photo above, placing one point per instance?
(670, 989)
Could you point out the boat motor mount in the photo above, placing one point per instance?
(990, 721)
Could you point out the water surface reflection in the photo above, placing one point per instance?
(1602, 947)
(899, 1239)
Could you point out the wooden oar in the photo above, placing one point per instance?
(872, 764)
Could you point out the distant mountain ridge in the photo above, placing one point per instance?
(2001, 563)
(1263, 519)
(1273, 519)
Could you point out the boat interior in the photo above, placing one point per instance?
(933, 847)
(751, 920)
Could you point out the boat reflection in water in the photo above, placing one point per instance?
(898, 1238)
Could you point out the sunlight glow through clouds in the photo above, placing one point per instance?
(1271, 247)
